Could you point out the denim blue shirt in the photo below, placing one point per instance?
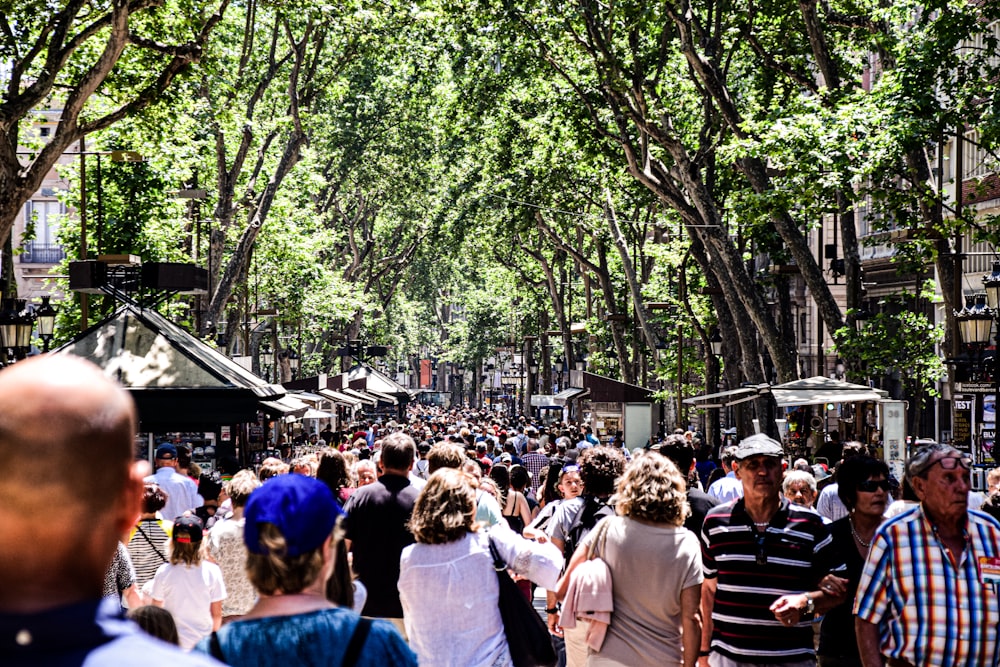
(314, 638)
(88, 634)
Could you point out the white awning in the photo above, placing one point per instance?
(724, 398)
(820, 390)
(360, 396)
(567, 395)
(340, 398)
(286, 406)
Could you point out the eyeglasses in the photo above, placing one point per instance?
(572, 467)
(949, 463)
(872, 485)
(761, 553)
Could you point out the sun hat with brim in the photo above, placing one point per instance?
(758, 445)
(301, 507)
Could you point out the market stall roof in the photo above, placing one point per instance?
(567, 395)
(607, 390)
(364, 377)
(177, 381)
(360, 396)
(819, 390)
(340, 398)
(385, 398)
(723, 398)
(816, 390)
(286, 406)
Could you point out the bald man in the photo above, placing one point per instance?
(69, 490)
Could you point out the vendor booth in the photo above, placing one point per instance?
(185, 391)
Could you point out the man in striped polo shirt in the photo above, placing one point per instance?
(764, 562)
(928, 592)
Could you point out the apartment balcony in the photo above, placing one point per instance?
(42, 253)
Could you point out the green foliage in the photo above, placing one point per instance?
(896, 340)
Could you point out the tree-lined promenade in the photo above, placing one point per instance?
(448, 178)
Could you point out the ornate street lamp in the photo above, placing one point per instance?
(45, 315)
(715, 340)
(991, 283)
(8, 324)
(975, 321)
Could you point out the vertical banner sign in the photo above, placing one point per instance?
(894, 435)
(962, 421)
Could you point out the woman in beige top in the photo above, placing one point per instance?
(655, 566)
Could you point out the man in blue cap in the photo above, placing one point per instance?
(182, 492)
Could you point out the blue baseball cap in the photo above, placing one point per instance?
(301, 507)
(166, 451)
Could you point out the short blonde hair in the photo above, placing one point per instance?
(652, 489)
(241, 486)
(445, 509)
(272, 467)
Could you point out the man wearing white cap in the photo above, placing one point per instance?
(764, 560)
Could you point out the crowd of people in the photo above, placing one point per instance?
(382, 546)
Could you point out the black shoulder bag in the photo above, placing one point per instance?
(527, 635)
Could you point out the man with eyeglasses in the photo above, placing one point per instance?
(928, 592)
(765, 562)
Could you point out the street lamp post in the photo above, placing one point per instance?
(991, 283)
(45, 315)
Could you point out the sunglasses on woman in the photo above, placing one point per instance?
(873, 485)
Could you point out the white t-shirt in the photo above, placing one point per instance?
(188, 593)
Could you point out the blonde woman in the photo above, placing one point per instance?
(655, 566)
(447, 584)
(225, 547)
(190, 588)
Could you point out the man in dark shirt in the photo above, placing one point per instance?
(763, 559)
(678, 449)
(376, 524)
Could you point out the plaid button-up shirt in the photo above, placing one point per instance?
(533, 463)
(930, 610)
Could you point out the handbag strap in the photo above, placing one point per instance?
(139, 526)
(215, 648)
(599, 539)
(357, 642)
(498, 563)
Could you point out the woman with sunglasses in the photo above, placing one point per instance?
(863, 487)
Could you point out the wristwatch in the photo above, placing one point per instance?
(810, 606)
(552, 610)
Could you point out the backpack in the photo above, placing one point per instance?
(594, 509)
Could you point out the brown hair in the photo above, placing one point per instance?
(156, 622)
(275, 570)
(445, 509)
(445, 455)
(653, 489)
(153, 498)
(184, 553)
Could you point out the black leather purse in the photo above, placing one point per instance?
(527, 635)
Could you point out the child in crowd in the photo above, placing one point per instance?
(191, 589)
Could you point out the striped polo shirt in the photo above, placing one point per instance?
(932, 611)
(753, 569)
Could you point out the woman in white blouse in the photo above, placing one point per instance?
(447, 583)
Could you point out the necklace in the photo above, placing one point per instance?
(761, 525)
(867, 544)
